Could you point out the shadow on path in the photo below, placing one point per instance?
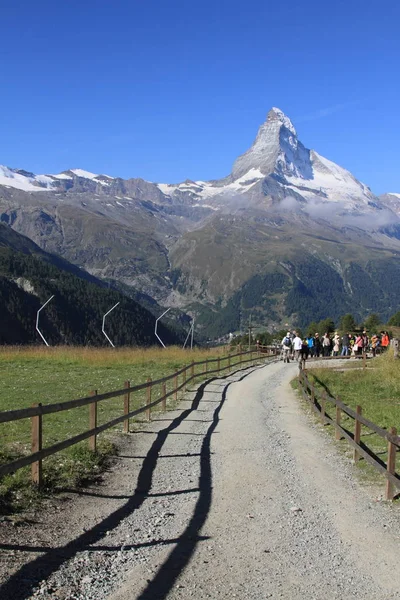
(21, 584)
(166, 576)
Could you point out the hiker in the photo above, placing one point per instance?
(305, 349)
(374, 344)
(345, 344)
(365, 341)
(286, 347)
(336, 344)
(310, 342)
(297, 343)
(385, 341)
(326, 345)
(358, 346)
(317, 345)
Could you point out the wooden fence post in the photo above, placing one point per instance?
(219, 365)
(338, 435)
(364, 358)
(312, 393)
(391, 465)
(229, 361)
(148, 399)
(127, 395)
(163, 394)
(184, 380)
(192, 369)
(93, 421)
(206, 365)
(176, 386)
(357, 433)
(37, 441)
(323, 407)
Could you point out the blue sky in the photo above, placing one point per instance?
(174, 90)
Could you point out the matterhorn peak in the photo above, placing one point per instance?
(275, 137)
(277, 113)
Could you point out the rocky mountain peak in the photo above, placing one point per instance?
(278, 114)
(275, 149)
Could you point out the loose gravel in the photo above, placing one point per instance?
(238, 494)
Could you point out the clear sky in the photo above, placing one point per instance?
(169, 90)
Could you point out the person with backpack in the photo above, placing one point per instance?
(286, 347)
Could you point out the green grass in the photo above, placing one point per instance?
(49, 375)
(376, 389)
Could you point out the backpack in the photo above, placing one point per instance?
(287, 342)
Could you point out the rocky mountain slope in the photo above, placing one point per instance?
(265, 239)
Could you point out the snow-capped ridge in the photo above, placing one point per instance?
(22, 180)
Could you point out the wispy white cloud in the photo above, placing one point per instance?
(326, 112)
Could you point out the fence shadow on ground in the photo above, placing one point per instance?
(22, 583)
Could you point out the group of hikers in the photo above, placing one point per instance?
(296, 348)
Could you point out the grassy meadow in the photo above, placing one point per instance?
(376, 389)
(31, 375)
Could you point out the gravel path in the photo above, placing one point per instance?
(236, 495)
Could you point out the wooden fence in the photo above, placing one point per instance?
(179, 380)
(318, 401)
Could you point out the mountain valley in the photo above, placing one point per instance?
(287, 237)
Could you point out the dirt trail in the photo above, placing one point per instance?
(238, 496)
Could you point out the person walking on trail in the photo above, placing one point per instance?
(326, 344)
(374, 344)
(317, 345)
(336, 344)
(304, 352)
(286, 347)
(345, 344)
(297, 343)
(385, 341)
(310, 342)
(358, 346)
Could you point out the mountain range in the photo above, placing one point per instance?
(288, 236)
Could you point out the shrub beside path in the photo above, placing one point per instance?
(237, 494)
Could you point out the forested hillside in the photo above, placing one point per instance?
(74, 316)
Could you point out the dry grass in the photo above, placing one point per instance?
(103, 356)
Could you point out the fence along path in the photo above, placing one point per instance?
(318, 401)
(37, 411)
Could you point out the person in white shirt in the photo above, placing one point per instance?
(297, 343)
(286, 347)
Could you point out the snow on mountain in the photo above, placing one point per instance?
(21, 180)
(29, 182)
(208, 189)
(393, 194)
(275, 166)
(282, 161)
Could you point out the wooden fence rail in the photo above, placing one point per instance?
(36, 412)
(318, 404)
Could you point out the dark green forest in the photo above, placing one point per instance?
(74, 316)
